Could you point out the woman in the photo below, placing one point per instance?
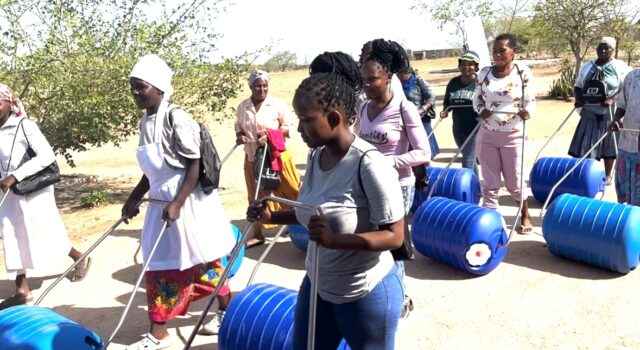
(628, 167)
(31, 228)
(359, 294)
(596, 115)
(392, 124)
(186, 264)
(459, 97)
(255, 117)
(419, 92)
(504, 98)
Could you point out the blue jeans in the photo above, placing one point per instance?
(469, 157)
(369, 323)
(407, 195)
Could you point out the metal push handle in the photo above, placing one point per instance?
(265, 253)
(521, 204)
(554, 134)
(228, 154)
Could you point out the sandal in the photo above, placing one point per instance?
(15, 300)
(524, 230)
(79, 273)
(254, 242)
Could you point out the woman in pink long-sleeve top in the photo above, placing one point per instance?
(392, 124)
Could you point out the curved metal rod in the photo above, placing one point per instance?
(234, 255)
(554, 134)
(265, 253)
(521, 204)
(442, 172)
(136, 286)
(433, 130)
(6, 194)
(81, 258)
(553, 189)
(228, 154)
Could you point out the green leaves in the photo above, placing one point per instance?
(69, 62)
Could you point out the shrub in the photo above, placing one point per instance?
(94, 198)
(563, 86)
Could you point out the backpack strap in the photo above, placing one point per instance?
(360, 166)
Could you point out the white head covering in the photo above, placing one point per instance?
(259, 74)
(609, 41)
(155, 71)
(16, 105)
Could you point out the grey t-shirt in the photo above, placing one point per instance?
(344, 275)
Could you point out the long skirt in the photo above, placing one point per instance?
(628, 177)
(289, 183)
(589, 130)
(170, 292)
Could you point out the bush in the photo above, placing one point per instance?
(563, 86)
(94, 198)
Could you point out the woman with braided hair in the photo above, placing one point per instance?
(393, 125)
(359, 293)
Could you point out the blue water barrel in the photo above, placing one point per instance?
(261, 318)
(586, 180)
(236, 265)
(28, 327)
(299, 236)
(462, 235)
(460, 184)
(593, 232)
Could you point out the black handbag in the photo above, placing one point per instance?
(269, 178)
(43, 178)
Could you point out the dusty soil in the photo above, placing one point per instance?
(533, 300)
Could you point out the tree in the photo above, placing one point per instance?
(455, 12)
(281, 61)
(510, 10)
(579, 23)
(69, 62)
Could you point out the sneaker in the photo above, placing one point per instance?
(213, 327)
(407, 308)
(149, 342)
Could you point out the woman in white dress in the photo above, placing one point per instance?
(32, 231)
(187, 264)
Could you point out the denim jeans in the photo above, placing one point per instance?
(469, 157)
(407, 195)
(369, 323)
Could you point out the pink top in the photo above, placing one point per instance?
(392, 131)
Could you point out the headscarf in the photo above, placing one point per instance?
(408, 84)
(16, 105)
(155, 71)
(471, 56)
(259, 74)
(609, 41)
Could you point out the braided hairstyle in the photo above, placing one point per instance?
(334, 82)
(390, 55)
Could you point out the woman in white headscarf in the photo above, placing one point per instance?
(596, 114)
(31, 228)
(187, 262)
(261, 119)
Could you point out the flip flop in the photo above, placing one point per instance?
(79, 273)
(254, 242)
(15, 300)
(524, 230)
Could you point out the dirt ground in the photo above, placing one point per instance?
(533, 300)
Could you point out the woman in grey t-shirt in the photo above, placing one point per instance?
(359, 295)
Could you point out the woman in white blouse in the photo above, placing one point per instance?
(32, 230)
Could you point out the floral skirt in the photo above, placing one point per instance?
(170, 292)
(628, 178)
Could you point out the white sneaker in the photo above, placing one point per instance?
(213, 326)
(149, 342)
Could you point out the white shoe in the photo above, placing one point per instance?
(149, 342)
(213, 326)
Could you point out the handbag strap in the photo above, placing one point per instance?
(12, 145)
(360, 166)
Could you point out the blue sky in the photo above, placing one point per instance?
(311, 27)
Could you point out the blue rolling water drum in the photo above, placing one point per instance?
(593, 232)
(299, 236)
(586, 180)
(35, 328)
(261, 318)
(460, 184)
(462, 235)
(238, 263)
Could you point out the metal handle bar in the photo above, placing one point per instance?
(265, 253)
(442, 172)
(554, 134)
(433, 130)
(228, 154)
(553, 189)
(137, 285)
(521, 204)
(456, 106)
